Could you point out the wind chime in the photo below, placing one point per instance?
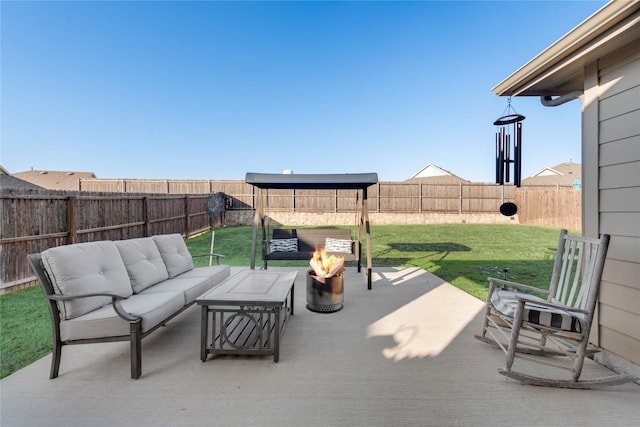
(508, 134)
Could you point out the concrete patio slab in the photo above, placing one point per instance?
(402, 354)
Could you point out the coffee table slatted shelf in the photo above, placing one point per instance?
(249, 330)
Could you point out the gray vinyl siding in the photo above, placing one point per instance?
(618, 201)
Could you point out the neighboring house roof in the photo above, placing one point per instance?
(433, 173)
(54, 180)
(562, 174)
(559, 69)
(11, 182)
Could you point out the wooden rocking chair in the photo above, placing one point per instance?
(553, 330)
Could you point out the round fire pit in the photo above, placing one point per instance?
(325, 295)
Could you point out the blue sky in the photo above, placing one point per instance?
(212, 90)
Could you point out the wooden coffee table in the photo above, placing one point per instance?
(246, 313)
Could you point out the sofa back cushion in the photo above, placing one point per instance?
(143, 262)
(86, 268)
(174, 253)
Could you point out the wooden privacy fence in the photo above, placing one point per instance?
(391, 197)
(33, 221)
(550, 207)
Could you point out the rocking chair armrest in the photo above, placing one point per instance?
(520, 286)
(531, 299)
(218, 256)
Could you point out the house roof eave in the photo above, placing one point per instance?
(559, 69)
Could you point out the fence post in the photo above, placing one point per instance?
(72, 219)
(145, 216)
(187, 226)
(460, 208)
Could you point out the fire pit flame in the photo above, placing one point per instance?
(325, 286)
(326, 266)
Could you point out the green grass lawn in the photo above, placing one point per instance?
(462, 254)
(25, 329)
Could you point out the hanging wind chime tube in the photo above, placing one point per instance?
(505, 135)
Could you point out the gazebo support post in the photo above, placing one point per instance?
(258, 220)
(365, 219)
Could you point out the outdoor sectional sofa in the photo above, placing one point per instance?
(119, 290)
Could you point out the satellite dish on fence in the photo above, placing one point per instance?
(216, 203)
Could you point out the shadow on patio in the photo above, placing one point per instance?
(400, 354)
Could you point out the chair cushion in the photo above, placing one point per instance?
(337, 245)
(284, 245)
(143, 262)
(104, 322)
(505, 303)
(86, 268)
(174, 253)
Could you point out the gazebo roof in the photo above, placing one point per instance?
(339, 181)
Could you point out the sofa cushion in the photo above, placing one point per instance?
(217, 273)
(143, 262)
(104, 322)
(86, 268)
(190, 287)
(193, 283)
(174, 252)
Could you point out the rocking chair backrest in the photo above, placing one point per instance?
(577, 271)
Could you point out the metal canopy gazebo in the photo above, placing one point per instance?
(356, 181)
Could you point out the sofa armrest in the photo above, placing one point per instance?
(218, 257)
(58, 297)
(115, 301)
